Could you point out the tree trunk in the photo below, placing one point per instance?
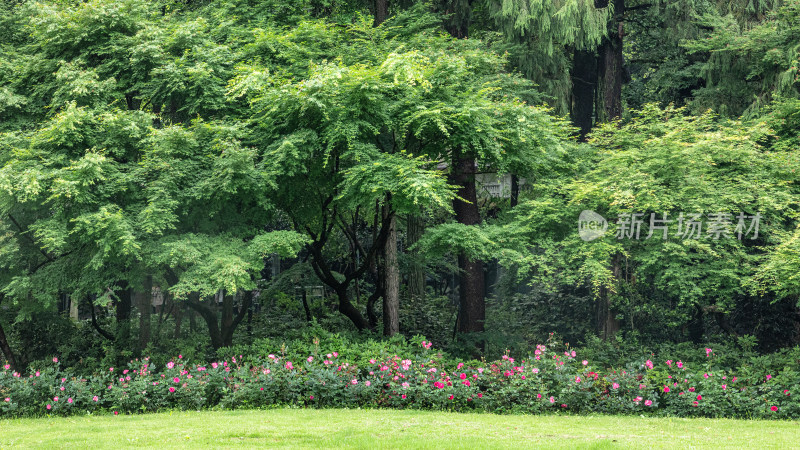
(381, 11)
(144, 303)
(459, 12)
(584, 81)
(391, 273)
(227, 318)
(6, 348)
(229, 326)
(611, 68)
(472, 307)
(514, 190)
(416, 274)
(210, 316)
(178, 311)
(123, 315)
(607, 323)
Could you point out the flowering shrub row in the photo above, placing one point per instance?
(554, 378)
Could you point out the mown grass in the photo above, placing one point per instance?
(338, 428)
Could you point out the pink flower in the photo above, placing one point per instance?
(8, 399)
(289, 365)
(335, 355)
(539, 396)
(55, 399)
(463, 376)
(176, 380)
(460, 365)
(181, 357)
(708, 352)
(666, 389)
(648, 364)
(773, 408)
(37, 374)
(768, 376)
(786, 391)
(669, 362)
(480, 395)
(699, 397)
(705, 375)
(403, 396)
(552, 399)
(450, 398)
(367, 383)
(214, 365)
(724, 386)
(573, 353)
(69, 400)
(55, 360)
(648, 402)
(49, 407)
(563, 405)
(110, 369)
(311, 358)
(585, 362)
(637, 399)
(680, 364)
(535, 370)
(615, 386)
(523, 377)
(116, 413)
(577, 379)
(354, 381)
(94, 399)
(170, 365)
(7, 366)
(691, 389)
(311, 397)
(171, 389)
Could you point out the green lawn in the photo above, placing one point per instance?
(392, 429)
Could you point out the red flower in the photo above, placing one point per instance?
(773, 408)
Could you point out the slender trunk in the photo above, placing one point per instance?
(381, 11)
(416, 274)
(607, 323)
(6, 348)
(472, 307)
(305, 305)
(177, 313)
(391, 273)
(227, 317)
(514, 190)
(144, 303)
(611, 68)
(73, 309)
(123, 315)
(584, 81)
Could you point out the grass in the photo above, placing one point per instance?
(337, 428)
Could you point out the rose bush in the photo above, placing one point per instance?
(555, 378)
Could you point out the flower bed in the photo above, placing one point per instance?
(554, 378)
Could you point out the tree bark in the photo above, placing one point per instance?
(391, 273)
(472, 307)
(381, 11)
(144, 304)
(584, 81)
(611, 68)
